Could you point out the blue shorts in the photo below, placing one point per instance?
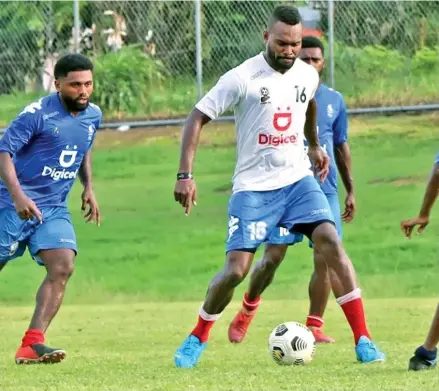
(255, 215)
(283, 236)
(56, 231)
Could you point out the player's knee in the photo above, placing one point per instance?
(327, 243)
(59, 264)
(273, 256)
(234, 276)
(62, 270)
(237, 268)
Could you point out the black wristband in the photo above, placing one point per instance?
(182, 176)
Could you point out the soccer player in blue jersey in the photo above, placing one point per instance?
(42, 152)
(332, 130)
(425, 356)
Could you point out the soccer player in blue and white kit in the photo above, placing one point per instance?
(273, 97)
(332, 129)
(42, 152)
(425, 356)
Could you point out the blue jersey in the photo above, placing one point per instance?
(332, 127)
(47, 145)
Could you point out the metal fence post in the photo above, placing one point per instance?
(76, 25)
(198, 48)
(331, 42)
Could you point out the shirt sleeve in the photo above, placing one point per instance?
(340, 125)
(21, 130)
(97, 124)
(436, 159)
(226, 93)
(99, 121)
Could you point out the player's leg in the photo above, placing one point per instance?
(13, 235)
(425, 356)
(261, 277)
(219, 295)
(53, 245)
(310, 215)
(251, 216)
(320, 283)
(319, 290)
(329, 250)
(264, 270)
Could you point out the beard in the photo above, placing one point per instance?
(280, 62)
(74, 105)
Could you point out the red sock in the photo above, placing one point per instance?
(31, 337)
(352, 305)
(202, 329)
(250, 305)
(314, 321)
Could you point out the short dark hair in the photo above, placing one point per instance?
(310, 41)
(285, 14)
(71, 63)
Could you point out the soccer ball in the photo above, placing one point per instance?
(291, 343)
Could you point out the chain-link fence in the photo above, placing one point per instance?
(385, 52)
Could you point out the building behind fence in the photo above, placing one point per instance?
(385, 52)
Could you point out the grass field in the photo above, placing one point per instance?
(141, 276)
(131, 348)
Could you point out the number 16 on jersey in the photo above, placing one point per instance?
(258, 230)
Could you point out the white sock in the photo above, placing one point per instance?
(355, 294)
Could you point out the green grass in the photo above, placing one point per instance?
(148, 249)
(115, 347)
(141, 276)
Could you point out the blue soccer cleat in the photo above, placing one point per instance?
(423, 359)
(188, 354)
(367, 351)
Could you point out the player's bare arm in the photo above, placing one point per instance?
(185, 189)
(430, 195)
(25, 207)
(316, 154)
(88, 197)
(344, 164)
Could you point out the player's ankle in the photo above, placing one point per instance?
(32, 337)
(249, 304)
(314, 322)
(424, 352)
(204, 324)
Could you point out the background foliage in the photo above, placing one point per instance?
(386, 52)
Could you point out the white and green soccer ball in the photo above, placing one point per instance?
(291, 343)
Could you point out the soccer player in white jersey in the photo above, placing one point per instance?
(273, 186)
(333, 137)
(425, 356)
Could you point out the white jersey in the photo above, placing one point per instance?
(270, 112)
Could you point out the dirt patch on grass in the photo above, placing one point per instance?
(112, 138)
(213, 135)
(398, 181)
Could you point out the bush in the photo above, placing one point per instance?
(374, 75)
(126, 80)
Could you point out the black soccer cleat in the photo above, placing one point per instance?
(420, 364)
(39, 354)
